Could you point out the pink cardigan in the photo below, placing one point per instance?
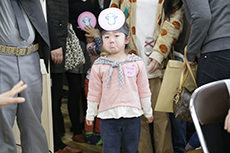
(136, 85)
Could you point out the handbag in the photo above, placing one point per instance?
(170, 83)
(74, 56)
(181, 99)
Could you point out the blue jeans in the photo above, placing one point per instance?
(178, 133)
(120, 133)
(194, 141)
(212, 67)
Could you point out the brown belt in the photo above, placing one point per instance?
(19, 51)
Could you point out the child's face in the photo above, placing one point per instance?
(114, 42)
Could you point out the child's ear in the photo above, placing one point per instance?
(127, 40)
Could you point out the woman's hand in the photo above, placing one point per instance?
(227, 122)
(154, 65)
(57, 55)
(8, 97)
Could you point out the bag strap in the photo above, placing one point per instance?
(189, 71)
(189, 67)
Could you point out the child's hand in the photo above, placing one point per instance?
(8, 97)
(89, 123)
(149, 119)
(227, 122)
(91, 32)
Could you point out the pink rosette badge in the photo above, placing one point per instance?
(111, 19)
(86, 19)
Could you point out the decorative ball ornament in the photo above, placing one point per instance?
(111, 19)
(86, 19)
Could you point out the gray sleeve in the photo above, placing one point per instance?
(200, 19)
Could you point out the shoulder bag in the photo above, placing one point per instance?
(74, 56)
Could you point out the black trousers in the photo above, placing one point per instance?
(212, 67)
(76, 94)
(58, 121)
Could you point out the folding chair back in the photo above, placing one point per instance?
(209, 104)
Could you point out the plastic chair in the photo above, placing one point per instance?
(209, 104)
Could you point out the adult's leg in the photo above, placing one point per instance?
(57, 91)
(193, 142)
(178, 133)
(58, 120)
(212, 67)
(8, 77)
(145, 143)
(33, 137)
(161, 122)
(74, 83)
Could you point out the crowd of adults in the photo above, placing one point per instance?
(156, 29)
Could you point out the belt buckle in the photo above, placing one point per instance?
(30, 49)
(20, 52)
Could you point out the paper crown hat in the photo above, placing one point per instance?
(113, 19)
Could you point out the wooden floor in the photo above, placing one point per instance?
(87, 148)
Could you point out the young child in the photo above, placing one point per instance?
(118, 88)
(8, 97)
(93, 38)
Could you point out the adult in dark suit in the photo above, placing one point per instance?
(19, 60)
(106, 3)
(58, 15)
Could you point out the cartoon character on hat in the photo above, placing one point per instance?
(86, 19)
(111, 18)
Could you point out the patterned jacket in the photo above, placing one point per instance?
(166, 31)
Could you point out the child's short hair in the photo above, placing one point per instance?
(124, 29)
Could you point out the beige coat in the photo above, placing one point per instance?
(166, 31)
